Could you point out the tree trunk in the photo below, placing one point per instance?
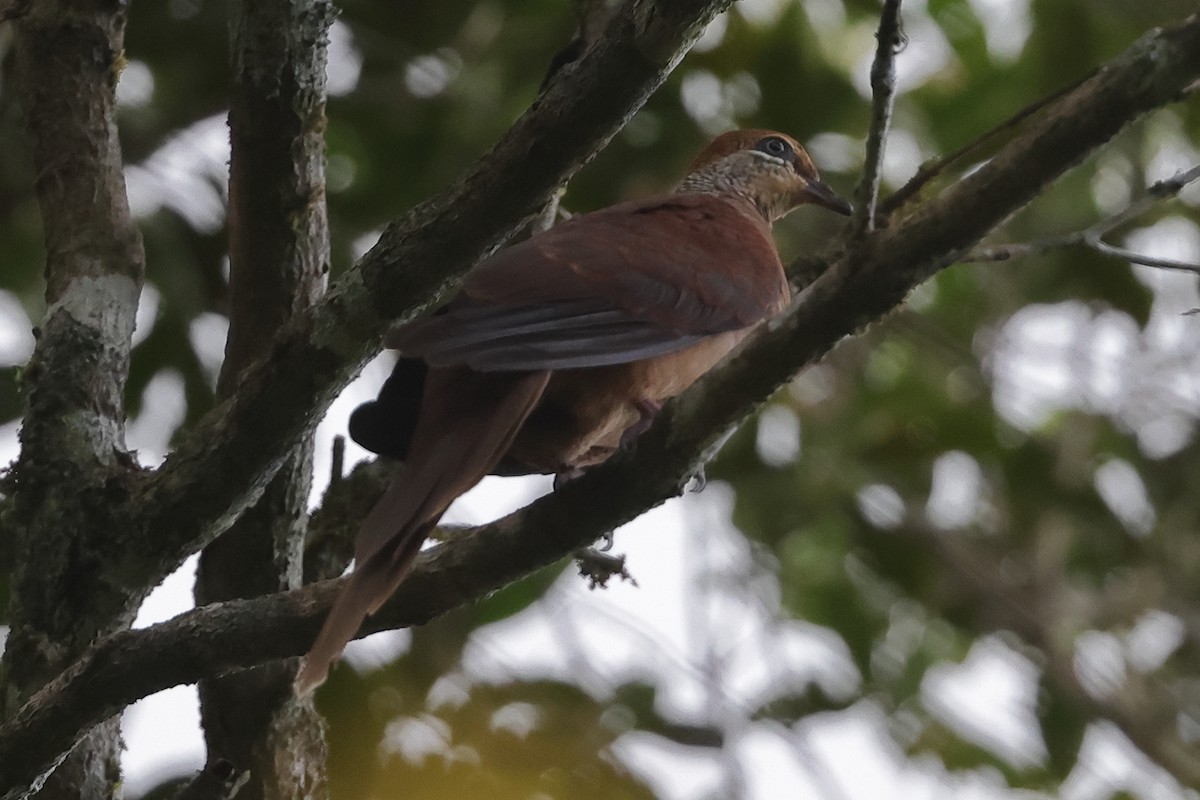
(279, 257)
(73, 465)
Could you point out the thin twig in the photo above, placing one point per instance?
(1100, 246)
(1159, 191)
(219, 780)
(1093, 236)
(337, 459)
(890, 41)
(1010, 252)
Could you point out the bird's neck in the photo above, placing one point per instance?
(734, 186)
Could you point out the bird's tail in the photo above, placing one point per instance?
(467, 422)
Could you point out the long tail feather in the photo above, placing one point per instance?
(467, 422)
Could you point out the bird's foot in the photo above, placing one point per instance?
(647, 411)
(696, 482)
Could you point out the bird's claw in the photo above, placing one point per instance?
(647, 411)
(696, 482)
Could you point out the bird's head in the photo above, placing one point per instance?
(768, 168)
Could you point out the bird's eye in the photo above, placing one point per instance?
(774, 146)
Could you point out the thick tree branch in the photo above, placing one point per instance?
(862, 285)
(223, 464)
(72, 435)
(69, 56)
(278, 260)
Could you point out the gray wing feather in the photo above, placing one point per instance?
(565, 335)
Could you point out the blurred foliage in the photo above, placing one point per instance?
(422, 724)
(1036, 415)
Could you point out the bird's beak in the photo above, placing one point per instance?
(819, 193)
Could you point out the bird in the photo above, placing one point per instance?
(560, 349)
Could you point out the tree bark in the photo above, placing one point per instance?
(279, 258)
(74, 468)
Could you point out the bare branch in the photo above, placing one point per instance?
(333, 526)
(1098, 244)
(1160, 191)
(219, 780)
(1009, 252)
(889, 42)
(1093, 236)
(73, 457)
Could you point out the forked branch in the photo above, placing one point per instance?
(1093, 236)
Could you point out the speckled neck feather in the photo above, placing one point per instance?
(744, 175)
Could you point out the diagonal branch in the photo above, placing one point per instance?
(1093, 236)
(223, 464)
(861, 286)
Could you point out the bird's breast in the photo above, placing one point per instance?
(584, 412)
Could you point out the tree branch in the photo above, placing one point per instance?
(862, 285)
(72, 435)
(278, 260)
(68, 57)
(1093, 236)
(223, 464)
(219, 780)
(889, 42)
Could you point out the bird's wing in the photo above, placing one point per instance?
(630, 282)
(387, 424)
